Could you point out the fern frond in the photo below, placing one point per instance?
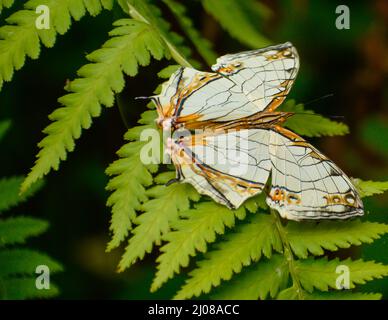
(132, 44)
(369, 188)
(160, 211)
(321, 273)
(203, 46)
(21, 38)
(4, 126)
(240, 19)
(314, 238)
(198, 226)
(250, 241)
(343, 295)
(308, 123)
(168, 71)
(293, 293)
(24, 261)
(17, 230)
(130, 177)
(9, 192)
(262, 279)
(144, 10)
(6, 4)
(25, 288)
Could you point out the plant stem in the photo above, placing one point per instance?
(177, 56)
(288, 254)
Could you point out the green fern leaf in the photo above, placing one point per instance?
(264, 278)
(6, 4)
(240, 19)
(17, 230)
(20, 37)
(160, 211)
(343, 295)
(248, 244)
(24, 261)
(4, 126)
(9, 192)
(132, 44)
(130, 177)
(307, 123)
(168, 71)
(321, 273)
(369, 188)
(198, 227)
(143, 10)
(293, 294)
(202, 45)
(313, 237)
(255, 203)
(25, 288)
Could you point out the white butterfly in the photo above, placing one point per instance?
(236, 105)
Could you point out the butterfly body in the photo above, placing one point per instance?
(227, 140)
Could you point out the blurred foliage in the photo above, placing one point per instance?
(17, 263)
(348, 63)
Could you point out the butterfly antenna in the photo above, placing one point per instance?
(143, 98)
(318, 115)
(318, 99)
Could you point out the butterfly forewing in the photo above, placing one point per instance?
(242, 85)
(265, 76)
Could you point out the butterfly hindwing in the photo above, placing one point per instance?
(228, 166)
(306, 184)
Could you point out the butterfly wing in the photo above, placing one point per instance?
(306, 184)
(265, 76)
(192, 96)
(242, 85)
(235, 165)
(229, 166)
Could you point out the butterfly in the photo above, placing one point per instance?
(230, 114)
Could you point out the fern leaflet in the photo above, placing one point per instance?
(9, 188)
(20, 37)
(199, 226)
(162, 209)
(202, 45)
(6, 4)
(369, 188)
(240, 19)
(307, 237)
(132, 44)
(258, 236)
(256, 282)
(321, 273)
(17, 230)
(131, 177)
(310, 124)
